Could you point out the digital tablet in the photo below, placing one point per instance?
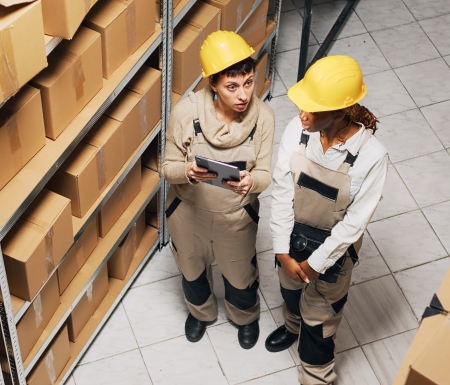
(224, 171)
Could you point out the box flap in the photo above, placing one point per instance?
(45, 208)
(144, 79)
(81, 40)
(103, 129)
(8, 3)
(183, 36)
(123, 105)
(201, 14)
(11, 14)
(17, 101)
(105, 13)
(79, 158)
(57, 66)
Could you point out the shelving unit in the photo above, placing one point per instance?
(18, 194)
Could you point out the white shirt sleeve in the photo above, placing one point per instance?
(282, 210)
(358, 213)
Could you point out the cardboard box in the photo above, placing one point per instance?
(205, 17)
(120, 261)
(63, 17)
(201, 84)
(70, 81)
(107, 136)
(22, 52)
(120, 200)
(77, 256)
(37, 243)
(254, 29)
(53, 361)
(88, 304)
(85, 52)
(140, 228)
(151, 213)
(36, 318)
(124, 26)
(186, 59)
(147, 83)
(129, 109)
(260, 74)
(151, 155)
(233, 12)
(22, 132)
(175, 98)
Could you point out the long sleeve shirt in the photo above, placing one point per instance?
(368, 175)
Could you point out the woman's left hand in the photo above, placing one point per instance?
(243, 187)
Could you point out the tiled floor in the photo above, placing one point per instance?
(401, 47)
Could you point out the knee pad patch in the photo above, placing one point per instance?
(198, 291)
(241, 299)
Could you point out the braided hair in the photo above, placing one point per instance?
(361, 114)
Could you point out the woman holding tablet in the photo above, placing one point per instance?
(224, 122)
(328, 181)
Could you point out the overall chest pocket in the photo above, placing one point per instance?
(314, 202)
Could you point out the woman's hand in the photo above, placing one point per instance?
(199, 174)
(243, 187)
(292, 269)
(309, 271)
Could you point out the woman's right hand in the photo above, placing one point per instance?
(199, 174)
(291, 268)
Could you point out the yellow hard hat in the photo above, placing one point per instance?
(331, 83)
(222, 49)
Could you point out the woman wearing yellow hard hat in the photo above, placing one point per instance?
(224, 122)
(327, 183)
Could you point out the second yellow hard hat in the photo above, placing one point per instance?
(222, 49)
(331, 83)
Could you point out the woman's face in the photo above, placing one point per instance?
(235, 92)
(317, 121)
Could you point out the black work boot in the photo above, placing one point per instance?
(280, 339)
(194, 328)
(248, 334)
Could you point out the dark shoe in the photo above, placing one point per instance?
(280, 339)
(194, 328)
(248, 335)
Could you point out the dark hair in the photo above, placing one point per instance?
(240, 68)
(361, 114)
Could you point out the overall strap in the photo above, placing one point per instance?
(303, 142)
(196, 122)
(350, 159)
(252, 133)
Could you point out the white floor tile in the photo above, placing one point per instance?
(382, 14)
(423, 9)
(439, 218)
(438, 30)
(398, 42)
(407, 135)
(427, 177)
(406, 240)
(241, 365)
(156, 311)
(116, 337)
(279, 88)
(371, 263)
(285, 111)
(386, 94)
(447, 59)
(284, 377)
(396, 197)
(70, 381)
(421, 282)
(438, 115)
(291, 32)
(161, 266)
(264, 237)
(352, 368)
(178, 361)
(345, 339)
(387, 355)
(325, 15)
(123, 369)
(427, 82)
(270, 285)
(364, 50)
(377, 309)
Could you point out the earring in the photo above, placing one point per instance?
(215, 96)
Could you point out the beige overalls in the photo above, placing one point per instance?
(207, 222)
(315, 310)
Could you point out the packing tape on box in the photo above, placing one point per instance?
(88, 5)
(78, 77)
(80, 254)
(239, 10)
(49, 262)
(121, 192)
(9, 83)
(254, 26)
(133, 239)
(89, 296)
(49, 359)
(10, 123)
(143, 116)
(131, 26)
(101, 168)
(37, 306)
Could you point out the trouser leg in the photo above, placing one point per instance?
(321, 309)
(234, 241)
(291, 292)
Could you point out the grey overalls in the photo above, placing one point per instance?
(321, 199)
(207, 222)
